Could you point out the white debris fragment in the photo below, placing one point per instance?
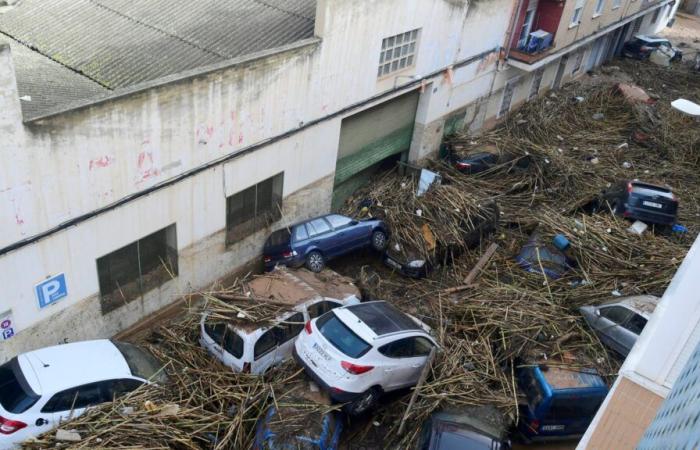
(626, 165)
(560, 138)
(594, 161)
(67, 435)
(638, 227)
(419, 212)
(26, 98)
(623, 145)
(616, 293)
(240, 315)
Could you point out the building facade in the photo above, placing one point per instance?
(654, 368)
(153, 154)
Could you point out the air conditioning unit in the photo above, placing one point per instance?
(538, 41)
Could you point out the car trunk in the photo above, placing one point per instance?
(278, 243)
(653, 201)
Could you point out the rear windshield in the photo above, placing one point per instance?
(15, 394)
(279, 237)
(342, 337)
(141, 363)
(644, 189)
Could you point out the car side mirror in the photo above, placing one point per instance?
(354, 222)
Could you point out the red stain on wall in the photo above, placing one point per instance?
(103, 161)
(146, 166)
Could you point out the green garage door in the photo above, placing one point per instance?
(369, 138)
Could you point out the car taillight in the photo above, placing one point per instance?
(646, 48)
(534, 424)
(267, 258)
(462, 165)
(307, 327)
(287, 254)
(8, 426)
(629, 187)
(355, 369)
(246, 368)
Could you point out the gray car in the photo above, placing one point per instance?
(619, 322)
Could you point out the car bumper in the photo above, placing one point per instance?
(294, 261)
(646, 215)
(405, 269)
(335, 394)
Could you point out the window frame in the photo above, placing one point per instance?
(611, 307)
(240, 222)
(275, 343)
(599, 7)
(578, 13)
(616, 4)
(390, 44)
(113, 293)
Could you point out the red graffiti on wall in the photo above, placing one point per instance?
(146, 166)
(103, 161)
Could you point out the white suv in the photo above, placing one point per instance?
(252, 348)
(358, 352)
(41, 388)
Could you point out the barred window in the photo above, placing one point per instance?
(254, 208)
(131, 271)
(398, 52)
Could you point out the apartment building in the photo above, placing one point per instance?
(655, 394)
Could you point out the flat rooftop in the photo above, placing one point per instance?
(67, 51)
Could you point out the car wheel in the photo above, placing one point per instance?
(379, 240)
(315, 261)
(364, 403)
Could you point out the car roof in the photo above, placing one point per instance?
(648, 38)
(383, 318)
(641, 304)
(53, 369)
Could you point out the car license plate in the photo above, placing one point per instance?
(652, 204)
(322, 352)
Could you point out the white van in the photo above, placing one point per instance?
(250, 348)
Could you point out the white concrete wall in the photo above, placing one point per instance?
(79, 161)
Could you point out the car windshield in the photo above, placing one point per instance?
(642, 189)
(15, 394)
(342, 337)
(141, 363)
(279, 237)
(454, 440)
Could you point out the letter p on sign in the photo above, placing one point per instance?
(51, 290)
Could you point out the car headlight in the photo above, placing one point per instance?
(416, 264)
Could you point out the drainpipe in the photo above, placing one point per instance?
(509, 33)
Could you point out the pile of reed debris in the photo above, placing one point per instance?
(578, 141)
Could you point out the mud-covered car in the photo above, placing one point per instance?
(481, 158)
(410, 263)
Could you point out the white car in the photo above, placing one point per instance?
(357, 353)
(250, 348)
(41, 388)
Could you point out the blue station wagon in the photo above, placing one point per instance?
(317, 240)
(561, 403)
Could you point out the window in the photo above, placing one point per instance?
(578, 61)
(525, 30)
(337, 221)
(536, 81)
(398, 52)
(76, 398)
(617, 314)
(342, 337)
(317, 227)
(508, 96)
(265, 343)
(15, 394)
(573, 407)
(228, 339)
(320, 308)
(128, 273)
(655, 17)
(636, 324)
(254, 208)
(300, 233)
(117, 388)
(407, 348)
(291, 328)
(599, 5)
(578, 10)
(141, 363)
(616, 4)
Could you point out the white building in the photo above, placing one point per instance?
(152, 151)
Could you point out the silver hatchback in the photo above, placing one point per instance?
(619, 322)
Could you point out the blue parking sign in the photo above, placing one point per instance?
(51, 290)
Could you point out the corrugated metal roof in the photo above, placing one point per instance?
(119, 43)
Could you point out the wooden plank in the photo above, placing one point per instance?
(421, 380)
(488, 254)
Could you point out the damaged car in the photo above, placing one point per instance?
(358, 353)
(637, 200)
(313, 242)
(619, 322)
(247, 346)
(540, 256)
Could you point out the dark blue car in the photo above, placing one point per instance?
(322, 434)
(540, 257)
(561, 403)
(315, 241)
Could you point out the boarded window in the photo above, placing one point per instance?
(254, 208)
(128, 273)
